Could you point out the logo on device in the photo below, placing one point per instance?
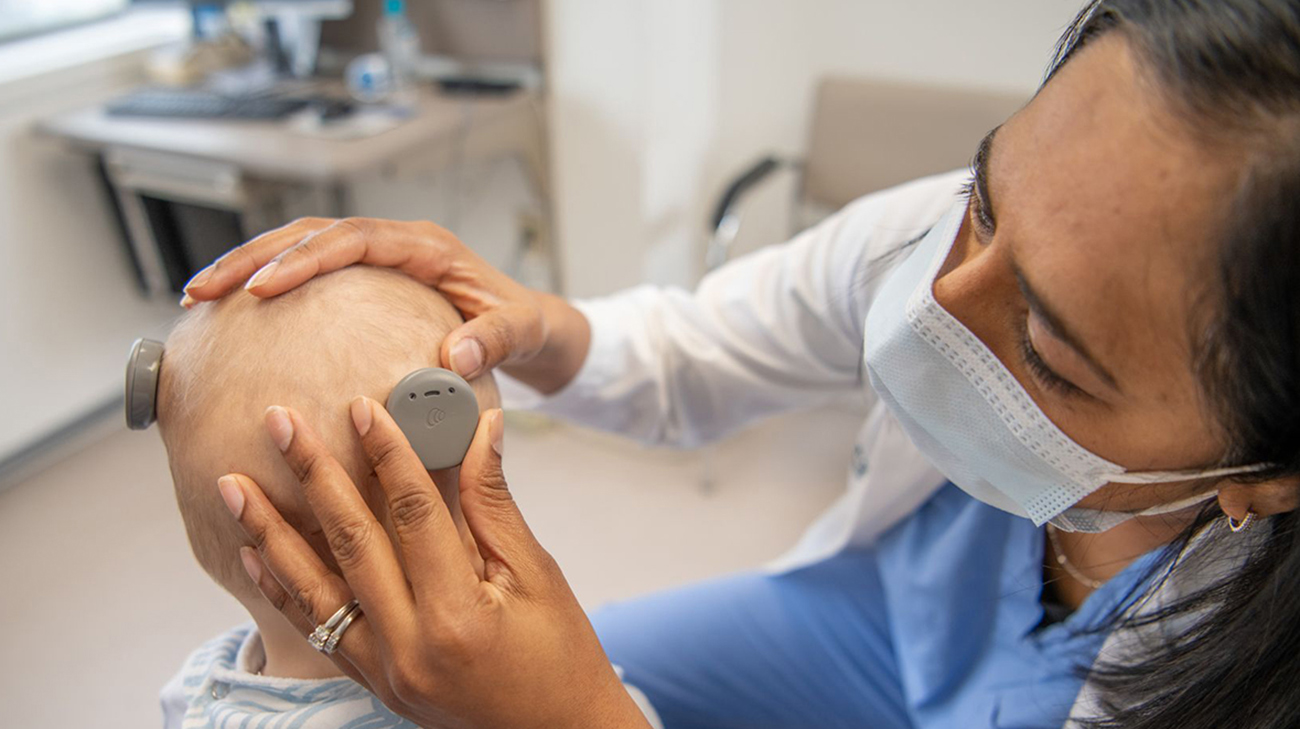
(436, 416)
(438, 412)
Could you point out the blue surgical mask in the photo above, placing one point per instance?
(970, 417)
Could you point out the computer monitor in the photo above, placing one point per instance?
(298, 23)
(318, 9)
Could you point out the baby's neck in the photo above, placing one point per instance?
(288, 654)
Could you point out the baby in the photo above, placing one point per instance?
(354, 332)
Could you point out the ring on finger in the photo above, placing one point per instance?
(332, 643)
(325, 638)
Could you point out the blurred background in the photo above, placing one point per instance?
(580, 145)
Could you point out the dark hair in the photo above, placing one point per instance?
(1231, 70)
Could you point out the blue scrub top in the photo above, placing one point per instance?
(937, 625)
(962, 584)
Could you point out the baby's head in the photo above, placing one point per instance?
(357, 331)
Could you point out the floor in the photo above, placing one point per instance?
(102, 599)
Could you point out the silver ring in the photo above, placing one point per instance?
(325, 638)
(332, 644)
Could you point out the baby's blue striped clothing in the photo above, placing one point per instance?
(215, 690)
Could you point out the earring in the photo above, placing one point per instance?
(1243, 525)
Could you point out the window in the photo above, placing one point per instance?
(20, 18)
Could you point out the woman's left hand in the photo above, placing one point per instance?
(436, 643)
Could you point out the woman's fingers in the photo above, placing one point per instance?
(356, 539)
(275, 594)
(508, 546)
(419, 250)
(505, 322)
(322, 251)
(293, 578)
(273, 591)
(498, 336)
(431, 547)
(236, 266)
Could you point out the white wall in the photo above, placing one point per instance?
(631, 121)
(657, 102)
(68, 306)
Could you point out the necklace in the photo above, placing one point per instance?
(1074, 572)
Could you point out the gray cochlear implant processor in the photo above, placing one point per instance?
(438, 412)
(142, 370)
(435, 408)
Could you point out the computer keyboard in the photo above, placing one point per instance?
(186, 104)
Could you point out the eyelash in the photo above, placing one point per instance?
(981, 216)
(1041, 371)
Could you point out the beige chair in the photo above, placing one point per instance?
(867, 135)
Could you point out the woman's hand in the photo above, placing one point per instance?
(540, 338)
(437, 643)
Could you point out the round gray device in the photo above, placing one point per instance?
(438, 412)
(142, 383)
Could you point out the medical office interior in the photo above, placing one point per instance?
(582, 146)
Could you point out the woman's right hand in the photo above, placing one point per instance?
(439, 641)
(538, 338)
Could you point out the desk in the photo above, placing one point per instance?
(268, 173)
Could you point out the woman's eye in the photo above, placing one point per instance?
(980, 215)
(1041, 372)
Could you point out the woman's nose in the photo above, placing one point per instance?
(979, 289)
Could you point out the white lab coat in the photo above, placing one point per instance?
(775, 331)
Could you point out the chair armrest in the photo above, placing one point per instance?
(726, 218)
(740, 185)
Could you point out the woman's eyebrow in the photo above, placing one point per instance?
(1059, 330)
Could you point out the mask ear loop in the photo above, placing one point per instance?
(1149, 477)
(142, 370)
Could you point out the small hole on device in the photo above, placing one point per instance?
(413, 396)
(451, 390)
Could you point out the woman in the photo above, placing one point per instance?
(1081, 458)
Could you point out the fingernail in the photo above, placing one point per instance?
(252, 564)
(187, 301)
(498, 432)
(200, 278)
(231, 494)
(262, 276)
(361, 415)
(279, 426)
(467, 357)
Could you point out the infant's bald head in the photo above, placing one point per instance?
(353, 332)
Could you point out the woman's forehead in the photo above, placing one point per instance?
(1112, 208)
